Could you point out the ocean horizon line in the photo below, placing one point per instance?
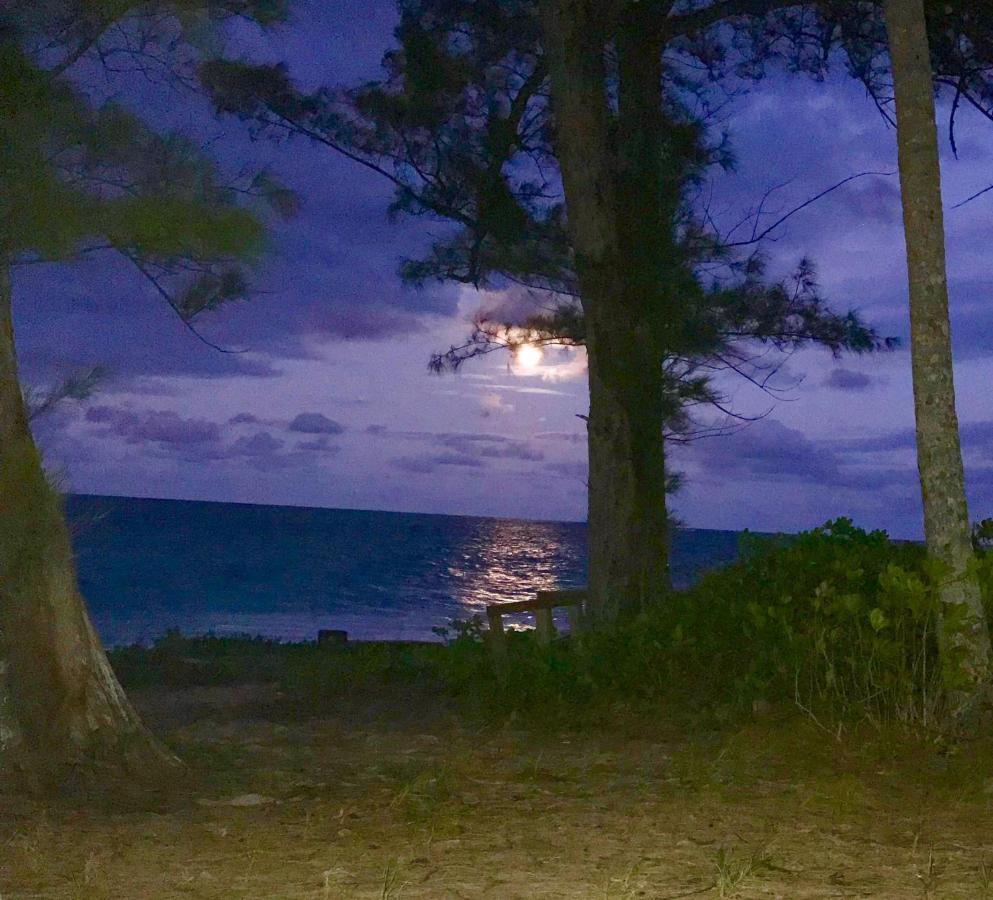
(396, 512)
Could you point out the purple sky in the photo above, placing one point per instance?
(333, 404)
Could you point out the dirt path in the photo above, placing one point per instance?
(346, 806)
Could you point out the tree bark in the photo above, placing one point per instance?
(965, 643)
(63, 714)
(610, 177)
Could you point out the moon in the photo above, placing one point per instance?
(528, 357)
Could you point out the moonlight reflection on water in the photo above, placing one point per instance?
(285, 572)
(511, 560)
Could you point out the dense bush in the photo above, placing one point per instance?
(840, 620)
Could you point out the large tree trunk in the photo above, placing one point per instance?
(628, 523)
(965, 644)
(63, 713)
(611, 185)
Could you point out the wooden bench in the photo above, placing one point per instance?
(541, 607)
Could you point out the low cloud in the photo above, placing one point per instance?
(493, 404)
(490, 446)
(847, 380)
(570, 437)
(153, 426)
(426, 463)
(315, 423)
(573, 470)
(170, 436)
(467, 444)
(974, 435)
(259, 444)
(320, 444)
(768, 449)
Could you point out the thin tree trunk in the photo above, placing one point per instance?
(965, 643)
(628, 522)
(63, 713)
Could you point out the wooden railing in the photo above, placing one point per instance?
(541, 607)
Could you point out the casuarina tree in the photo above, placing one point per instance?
(77, 177)
(462, 126)
(906, 52)
(964, 634)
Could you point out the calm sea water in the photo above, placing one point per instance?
(150, 565)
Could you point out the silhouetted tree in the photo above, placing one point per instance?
(80, 178)
(964, 635)
(461, 125)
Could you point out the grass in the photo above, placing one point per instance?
(385, 790)
(731, 872)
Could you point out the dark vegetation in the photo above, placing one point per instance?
(837, 623)
(633, 762)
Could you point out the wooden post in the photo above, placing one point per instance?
(575, 618)
(498, 641)
(544, 625)
(332, 636)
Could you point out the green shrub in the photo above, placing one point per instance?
(837, 619)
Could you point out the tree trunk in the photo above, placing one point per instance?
(628, 521)
(63, 714)
(965, 644)
(606, 195)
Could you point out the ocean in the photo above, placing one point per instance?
(147, 566)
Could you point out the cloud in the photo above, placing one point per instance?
(847, 380)
(571, 437)
(972, 315)
(200, 441)
(494, 403)
(330, 273)
(99, 313)
(319, 445)
(524, 389)
(490, 446)
(259, 444)
(767, 449)
(427, 463)
(467, 444)
(315, 423)
(153, 426)
(572, 470)
(974, 435)
(873, 199)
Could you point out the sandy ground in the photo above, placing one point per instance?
(409, 802)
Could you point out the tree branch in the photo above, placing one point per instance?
(701, 19)
(162, 292)
(756, 238)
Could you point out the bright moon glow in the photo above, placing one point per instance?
(528, 357)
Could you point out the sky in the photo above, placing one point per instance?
(331, 403)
